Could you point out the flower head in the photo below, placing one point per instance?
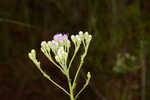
(60, 37)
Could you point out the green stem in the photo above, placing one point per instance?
(71, 92)
(70, 87)
(86, 84)
(75, 52)
(81, 63)
(50, 58)
(46, 76)
(55, 64)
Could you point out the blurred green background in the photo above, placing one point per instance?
(118, 57)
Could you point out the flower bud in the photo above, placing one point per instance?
(43, 44)
(90, 37)
(49, 43)
(57, 58)
(33, 52)
(88, 75)
(78, 38)
(86, 34)
(73, 38)
(81, 35)
(30, 55)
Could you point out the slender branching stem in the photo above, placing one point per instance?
(70, 87)
(46, 76)
(81, 63)
(75, 52)
(78, 70)
(85, 85)
(56, 64)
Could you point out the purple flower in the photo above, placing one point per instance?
(68, 41)
(57, 36)
(65, 36)
(60, 37)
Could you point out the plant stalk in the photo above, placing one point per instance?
(70, 87)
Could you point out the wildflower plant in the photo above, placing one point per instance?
(60, 46)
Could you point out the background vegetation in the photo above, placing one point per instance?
(118, 58)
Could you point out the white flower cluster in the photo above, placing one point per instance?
(81, 37)
(61, 57)
(60, 47)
